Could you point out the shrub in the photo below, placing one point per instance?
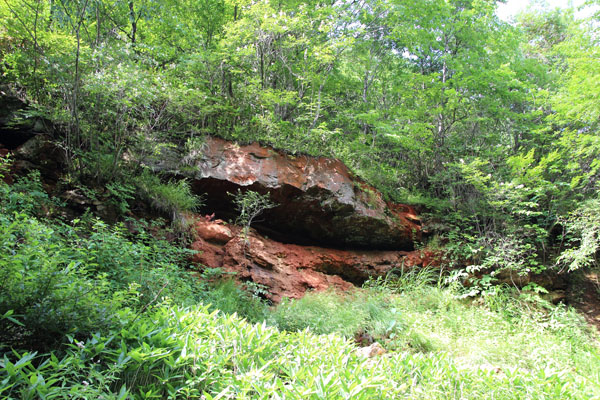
(582, 231)
(50, 293)
(25, 195)
(250, 205)
(62, 279)
(227, 297)
(154, 265)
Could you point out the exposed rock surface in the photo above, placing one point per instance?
(15, 129)
(583, 293)
(288, 269)
(27, 138)
(319, 200)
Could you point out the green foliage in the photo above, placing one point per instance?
(227, 297)
(120, 195)
(110, 294)
(582, 231)
(324, 313)
(405, 279)
(174, 198)
(175, 352)
(488, 125)
(34, 376)
(26, 195)
(250, 205)
(153, 265)
(60, 279)
(48, 290)
(491, 127)
(220, 292)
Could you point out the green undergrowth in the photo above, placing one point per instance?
(509, 346)
(506, 332)
(62, 277)
(176, 352)
(94, 311)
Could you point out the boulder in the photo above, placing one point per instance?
(27, 137)
(213, 231)
(319, 200)
(371, 351)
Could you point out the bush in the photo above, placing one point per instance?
(227, 297)
(25, 195)
(153, 265)
(50, 293)
(62, 279)
(582, 231)
(250, 205)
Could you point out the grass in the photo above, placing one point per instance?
(175, 352)
(508, 345)
(173, 198)
(504, 336)
(530, 337)
(330, 312)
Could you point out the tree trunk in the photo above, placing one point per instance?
(133, 22)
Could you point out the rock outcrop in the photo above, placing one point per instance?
(329, 229)
(371, 351)
(15, 128)
(27, 138)
(319, 200)
(288, 269)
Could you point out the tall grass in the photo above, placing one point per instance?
(175, 352)
(505, 335)
(173, 198)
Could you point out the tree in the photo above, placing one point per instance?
(250, 205)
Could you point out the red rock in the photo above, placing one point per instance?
(212, 231)
(289, 270)
(319, 200)
(209, 255)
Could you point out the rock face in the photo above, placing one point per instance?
(330, 229)
(15, 129)
(27, 139)
(288, 269)
(319, 200)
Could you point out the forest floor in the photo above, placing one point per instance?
(584, 295)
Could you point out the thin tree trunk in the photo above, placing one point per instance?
(35, 50)
(51, 16)
(133, 22)
(98, 24)
(75, 140)
(318, 110)
(262, 68)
